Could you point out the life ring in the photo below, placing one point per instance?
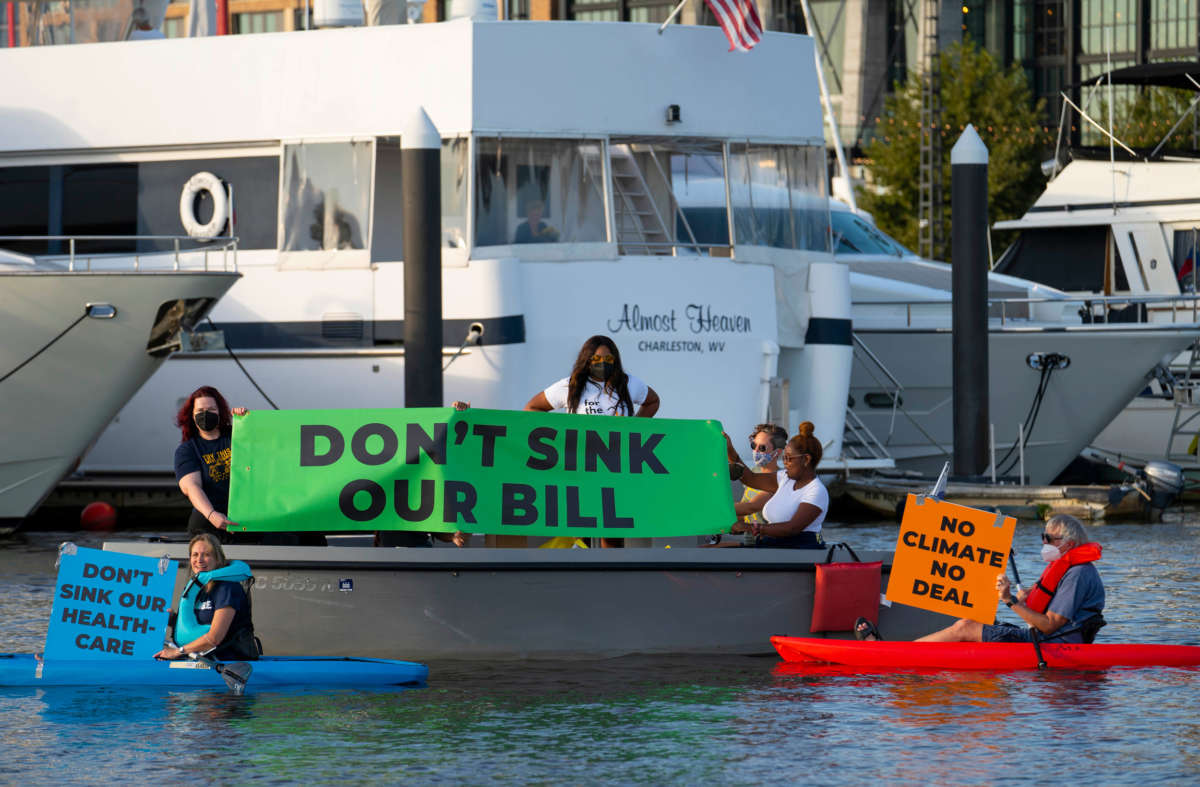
(203, 181)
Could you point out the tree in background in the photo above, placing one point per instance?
(975, 89)
(1143, 117)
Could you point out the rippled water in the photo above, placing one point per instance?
(734, 720)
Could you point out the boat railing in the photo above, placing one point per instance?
(1091, 308)
(874, 366)
(210, 253)
(678, 248)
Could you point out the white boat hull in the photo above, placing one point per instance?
(54, 406)
(1079, 403)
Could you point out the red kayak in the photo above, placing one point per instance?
(982, 655)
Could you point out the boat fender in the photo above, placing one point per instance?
(187, 628)
(1047, 585)
(203, 181)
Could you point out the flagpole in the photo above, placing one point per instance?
(670, 18)
(833, 127)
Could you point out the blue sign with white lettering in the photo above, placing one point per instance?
(108, 605)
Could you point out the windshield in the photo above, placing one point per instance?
(855, 235)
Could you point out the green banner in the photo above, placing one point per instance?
(481, 471)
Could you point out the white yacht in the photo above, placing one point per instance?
(1055, 379)
(77, 344)
(1125, 224)
(299, 158)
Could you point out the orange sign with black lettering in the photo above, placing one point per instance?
(947, 558)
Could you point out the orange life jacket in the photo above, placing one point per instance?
(1041, 593)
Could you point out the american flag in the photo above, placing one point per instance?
(739, 19)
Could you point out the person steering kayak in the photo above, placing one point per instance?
(214, 609)
(1063, 606)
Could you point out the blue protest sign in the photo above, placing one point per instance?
(109, 605)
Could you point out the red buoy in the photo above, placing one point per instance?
(98, 516)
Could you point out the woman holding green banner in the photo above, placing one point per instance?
(205, 423)
(598, 385)
(796, 510)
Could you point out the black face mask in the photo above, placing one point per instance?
(601, 371)
(207, 420)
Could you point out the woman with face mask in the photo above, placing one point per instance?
(598, 385)
(202, 460)
(797, 500)
(1064, 605)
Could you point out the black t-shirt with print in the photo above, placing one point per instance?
(211, 458)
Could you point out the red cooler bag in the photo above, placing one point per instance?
(845, 592)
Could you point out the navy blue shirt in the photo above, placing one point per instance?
(211, 458)
(225, 594)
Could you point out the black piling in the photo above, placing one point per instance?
(968, 244)
(420, 154)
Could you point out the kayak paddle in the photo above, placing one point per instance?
(1033, 632)
(235, 675)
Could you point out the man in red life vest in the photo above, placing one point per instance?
(1064, 605)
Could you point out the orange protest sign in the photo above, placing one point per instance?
(947, 558)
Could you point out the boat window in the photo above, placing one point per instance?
(1068, 258)
(855, 235)
(130, 200)
(455, 168)
(387, 240)
(1184, 258)
(778, 194)
(325, 196)
(24, 207)
(82, 199)
(538, 191)
(387, 235)
(668, 195)
(252, 181)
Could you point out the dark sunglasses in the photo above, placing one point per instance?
(763, 448)
(1049, 539)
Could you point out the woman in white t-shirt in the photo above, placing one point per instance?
(598, 385)
(799, 500)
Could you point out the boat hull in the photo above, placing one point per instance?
(24, 669)
(883, 495)
(508, 604)
(982, 655)
(1079, 402)
(53, 407)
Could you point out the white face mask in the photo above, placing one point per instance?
(1050, 553)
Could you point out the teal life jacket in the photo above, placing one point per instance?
(187, 627)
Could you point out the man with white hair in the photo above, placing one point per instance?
(1063, 606)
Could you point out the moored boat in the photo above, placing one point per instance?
(78, 342)
(983, 655)
(26, 669)
(507, 604)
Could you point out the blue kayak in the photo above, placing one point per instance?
(25, 669)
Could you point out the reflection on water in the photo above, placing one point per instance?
(651, 720)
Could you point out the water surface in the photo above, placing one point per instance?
(690, 720)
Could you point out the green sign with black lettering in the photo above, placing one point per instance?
(481, 471)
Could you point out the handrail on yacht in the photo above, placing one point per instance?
(1177, 303)
(226, 243)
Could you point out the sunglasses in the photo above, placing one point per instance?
(602, 359)
(1049, 539)
(766, 449)
(796, 457)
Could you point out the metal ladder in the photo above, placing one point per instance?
(859, 442)
(1185, 426)
(640, 227)
(874, 367)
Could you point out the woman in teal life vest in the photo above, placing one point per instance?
(214, 609)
